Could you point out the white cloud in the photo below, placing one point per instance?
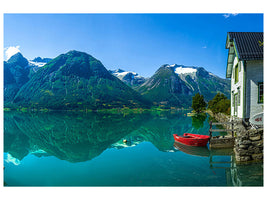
(204, 47)
(10, 51)
(229, 15)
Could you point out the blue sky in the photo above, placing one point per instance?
(134, 42)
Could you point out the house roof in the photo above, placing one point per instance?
(244, 45)
(249, 45)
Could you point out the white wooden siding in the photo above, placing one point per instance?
(235, 86)
(254, 76)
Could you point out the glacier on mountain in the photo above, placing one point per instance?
(129, 77)
(182, 70)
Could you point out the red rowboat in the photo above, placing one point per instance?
(192, 139)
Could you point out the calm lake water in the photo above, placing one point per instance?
(87, 149)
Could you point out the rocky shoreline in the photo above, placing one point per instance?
(248, 140)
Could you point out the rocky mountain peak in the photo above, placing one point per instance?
(76, 80)
(174, 85)
(18, 59)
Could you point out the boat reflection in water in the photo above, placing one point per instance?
(237, 174)
(192, 150)
(93, 148)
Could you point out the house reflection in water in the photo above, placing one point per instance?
(237, 174)
(79, 138)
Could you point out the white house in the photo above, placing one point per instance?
(245, 68)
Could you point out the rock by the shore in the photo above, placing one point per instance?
(248, 141)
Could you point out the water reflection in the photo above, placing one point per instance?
(72, 137)
(79, 137)
(192, 150)
(198, 120)
(246, 174)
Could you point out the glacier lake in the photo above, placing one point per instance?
(90, 149)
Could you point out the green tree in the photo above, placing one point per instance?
(198, 103)
(219, 103)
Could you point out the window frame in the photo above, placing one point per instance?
(260, 96)
(233, 99)
(238, 96)
(236, 73)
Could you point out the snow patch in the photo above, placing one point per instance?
(182, 70)
(211, 74)
(38, 64)
(124, 73)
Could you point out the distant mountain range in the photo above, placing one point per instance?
(77, 80)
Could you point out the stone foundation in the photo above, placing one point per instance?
(248, 144)
(222, 142)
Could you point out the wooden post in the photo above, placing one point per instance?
(232, 128)
(210, 129)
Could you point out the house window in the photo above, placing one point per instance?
(260, 92)
(233, 99)
(238, 96)
(236, 73)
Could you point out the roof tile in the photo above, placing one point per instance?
(249, 44)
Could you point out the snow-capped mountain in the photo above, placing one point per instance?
(130, 78)
(79, 79)
(17, 71)
(16, 54)
(174, 85)
(171, 85)
(183, 71)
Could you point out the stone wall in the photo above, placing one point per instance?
(222, 142)
(220, 117)
(248, 141)
(249, 145)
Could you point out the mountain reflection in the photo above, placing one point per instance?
(78, 137)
